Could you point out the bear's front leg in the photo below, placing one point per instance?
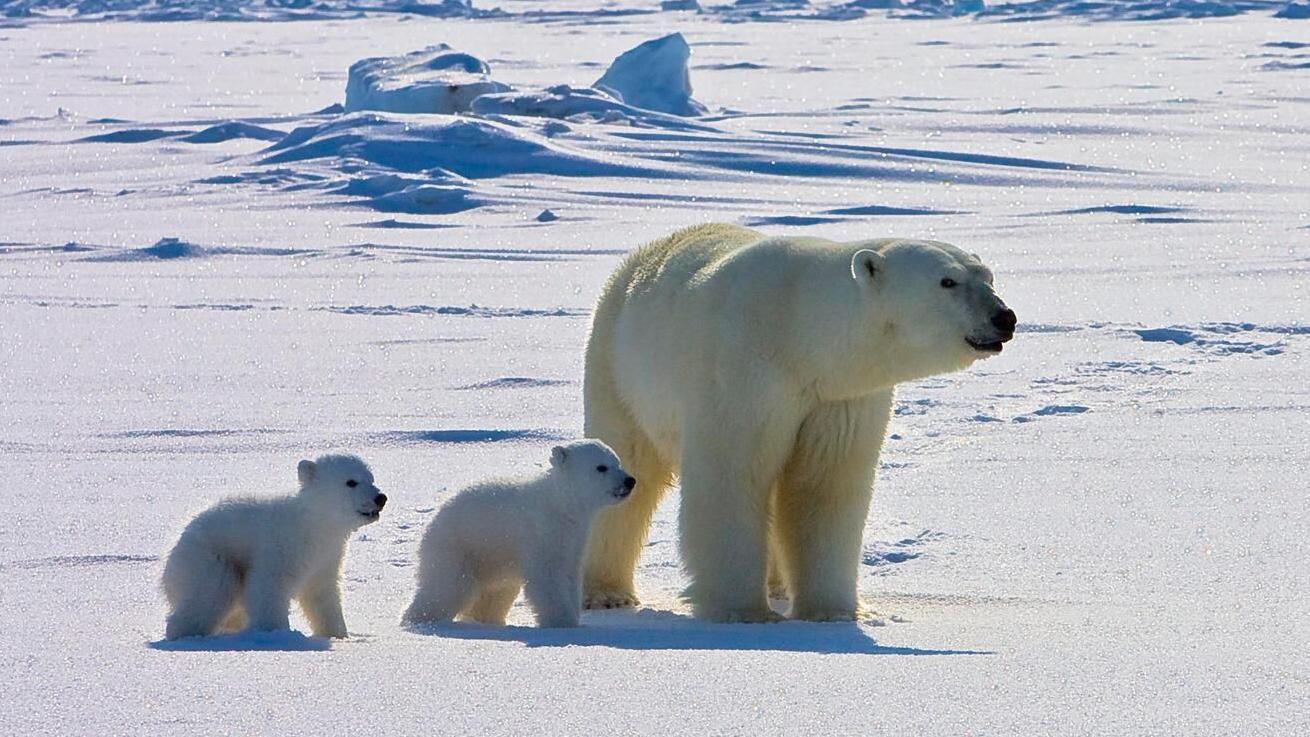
(321, 602)
(554, 589)
(727, 476)
(823, 502)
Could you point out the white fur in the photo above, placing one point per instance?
(241, 561)
(761, 371)
(494, 538)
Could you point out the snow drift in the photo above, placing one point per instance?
(654, 76)
(469, 147)
(582, 104)
(437, 79)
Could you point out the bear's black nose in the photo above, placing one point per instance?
(380, 500)
(629, 483)
(1005, 321)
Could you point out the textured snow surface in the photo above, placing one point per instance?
(209, 270)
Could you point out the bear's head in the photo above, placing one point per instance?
(930, 307)
(342, 488)
(590, 472)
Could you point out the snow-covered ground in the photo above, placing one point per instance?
(1101, 531)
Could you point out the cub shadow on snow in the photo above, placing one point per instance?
(249, 641)
(650, 629)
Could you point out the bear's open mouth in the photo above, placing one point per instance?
(622, 492)
(993, 346)
(375, 514)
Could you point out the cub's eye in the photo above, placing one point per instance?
(602, 469)
(352, 483)
(947, 283)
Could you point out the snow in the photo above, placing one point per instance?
(437, 79)
(209, 270)
(654, 76)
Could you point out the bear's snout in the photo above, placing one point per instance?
(629, 483)
(1005, 321)
(380, 500)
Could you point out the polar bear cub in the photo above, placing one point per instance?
(498, 536)
(241, 561)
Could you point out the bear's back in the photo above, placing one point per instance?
(234, 527)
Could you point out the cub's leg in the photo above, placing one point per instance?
(445, 588)
(321, 602)
(492, 601)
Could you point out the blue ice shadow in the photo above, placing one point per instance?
(248, 641)
(650, 629)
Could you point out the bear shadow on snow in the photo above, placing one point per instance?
(248, 641)
(650, 629)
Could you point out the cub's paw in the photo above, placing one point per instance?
(605, 597)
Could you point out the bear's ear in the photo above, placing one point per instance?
(866, 265)
(558, 454)
(306, 470)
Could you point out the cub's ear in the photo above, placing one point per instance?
(306, 470)
(867, 265)
(558, 454)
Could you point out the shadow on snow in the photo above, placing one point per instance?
(650, 629)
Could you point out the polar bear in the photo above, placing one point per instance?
(760, 370)
(498, 536)
(241, 561)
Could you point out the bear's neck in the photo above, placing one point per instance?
(563, 501)
(326, 524)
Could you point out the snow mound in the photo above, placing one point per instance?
(233, 130)
(437, 79)
(654, 76)
(1294, 11)
(468, 147)
(165, 249)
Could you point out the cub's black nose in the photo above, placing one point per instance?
(629, 483)
(1005, 321)
(380, 500)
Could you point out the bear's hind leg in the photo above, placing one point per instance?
(618, 533)
(235, 620)
(493, 601)
(777, 580)
(445, 587)
(199, 597)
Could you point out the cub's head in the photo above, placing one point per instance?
(342, 486)
(589, 469)
(935, 303)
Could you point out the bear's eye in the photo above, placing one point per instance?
(602, 468)
(947, 283)
(352, 483)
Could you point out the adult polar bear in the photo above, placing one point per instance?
(760, 370)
